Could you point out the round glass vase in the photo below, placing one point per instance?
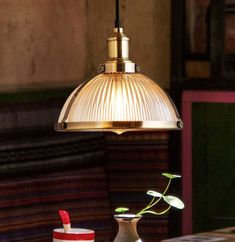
(127, 228)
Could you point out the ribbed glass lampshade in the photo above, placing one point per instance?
(118, 102)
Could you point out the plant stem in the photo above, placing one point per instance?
(152, 203)
(160, 213)
(165, 191)
(167, 187)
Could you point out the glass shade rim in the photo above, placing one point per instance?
(119, 126)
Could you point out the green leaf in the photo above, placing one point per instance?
(121, 210)
(174, 201)
(154, 194)
(171, 176)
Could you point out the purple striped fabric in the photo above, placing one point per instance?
(29, 206)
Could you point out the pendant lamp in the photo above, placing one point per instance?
(120, 98)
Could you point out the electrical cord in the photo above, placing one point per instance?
(117, 21)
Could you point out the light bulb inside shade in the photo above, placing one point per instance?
(118, 102)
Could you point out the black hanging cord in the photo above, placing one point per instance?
(117, 21)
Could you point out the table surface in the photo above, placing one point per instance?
(227, 233)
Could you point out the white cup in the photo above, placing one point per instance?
(73, 235)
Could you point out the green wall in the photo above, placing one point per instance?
(213, 166)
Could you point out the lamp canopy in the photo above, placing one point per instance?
(120, 98)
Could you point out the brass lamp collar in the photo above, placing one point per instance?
(118, 54)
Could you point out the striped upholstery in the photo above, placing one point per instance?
(134, 165)
(29, 205)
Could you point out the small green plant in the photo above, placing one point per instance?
(172, 201)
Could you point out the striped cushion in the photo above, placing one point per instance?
(29, 206)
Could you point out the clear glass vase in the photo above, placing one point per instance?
(127, 228)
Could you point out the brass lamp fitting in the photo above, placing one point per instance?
(118, 54)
